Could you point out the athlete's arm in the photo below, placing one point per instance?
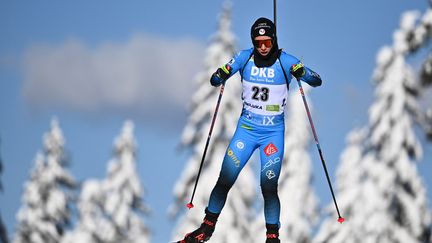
(299, 71)
(229, 69)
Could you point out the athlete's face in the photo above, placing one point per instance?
(263, 44)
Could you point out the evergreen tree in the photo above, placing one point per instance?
(111, 210)
(45, 212)
(234, 221)
(124, 193)
(381, 193)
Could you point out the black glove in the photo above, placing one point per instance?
(298, 70)
(221, 75)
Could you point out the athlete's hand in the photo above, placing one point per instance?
(298, 70)
(221, 75)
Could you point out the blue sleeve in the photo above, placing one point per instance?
(312, 78)
(235, 64)
(239, 60)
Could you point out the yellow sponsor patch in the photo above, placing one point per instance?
(231, 154)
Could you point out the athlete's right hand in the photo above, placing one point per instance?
(221, 75)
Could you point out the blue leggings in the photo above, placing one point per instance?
(248, 137)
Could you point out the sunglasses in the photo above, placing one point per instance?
(267, 43)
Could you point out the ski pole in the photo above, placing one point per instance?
(190, 204)
(274, 15)
(340, 219)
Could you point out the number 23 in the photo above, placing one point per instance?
(260, 93)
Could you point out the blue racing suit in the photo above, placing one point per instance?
(261, 126)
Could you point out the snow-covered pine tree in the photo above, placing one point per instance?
(3, 232)
(45, 212)
(111, 210)
(124, 193)
(381, 193)
(233, 223)
(299, 204)
(349, 177)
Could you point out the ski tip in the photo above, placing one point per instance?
(189, 205)
(341, 220)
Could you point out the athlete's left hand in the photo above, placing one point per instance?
(298, 70)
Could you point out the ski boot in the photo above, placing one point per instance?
(205, 231)
(272, 233)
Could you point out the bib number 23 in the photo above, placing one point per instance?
(260, 93)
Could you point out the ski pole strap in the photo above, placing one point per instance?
(297, 66)
(226, 69)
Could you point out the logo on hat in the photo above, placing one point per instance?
(261, 31)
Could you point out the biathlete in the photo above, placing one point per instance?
(266, 73)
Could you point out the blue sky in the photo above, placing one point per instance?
(94, 64)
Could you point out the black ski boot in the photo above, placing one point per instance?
(272, 233)
(205, 231)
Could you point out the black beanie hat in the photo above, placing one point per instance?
(263, 27)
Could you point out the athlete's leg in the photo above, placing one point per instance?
(237, 154)
(271, 154)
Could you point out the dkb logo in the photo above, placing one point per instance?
(263, 72)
